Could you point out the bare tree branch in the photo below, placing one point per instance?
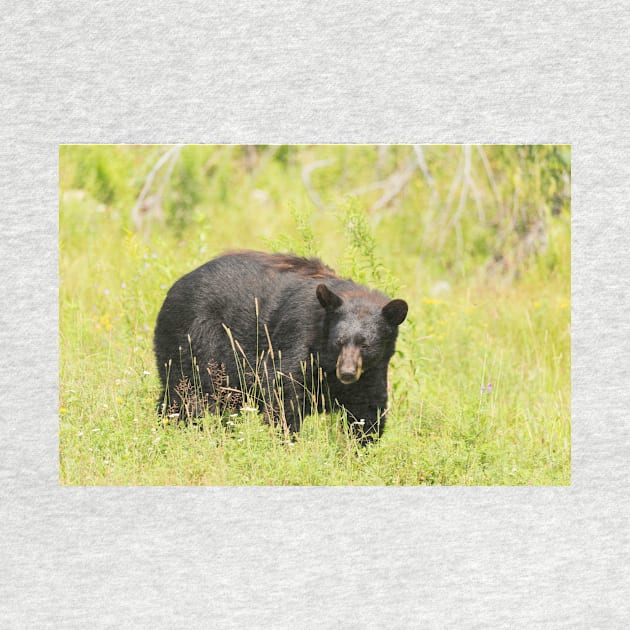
(381, 151)
(169, 172)
(391, 186)
(306, 178)
(467, 182)
(145, 204)
(455, 184)
(490, 174)
(422, 163)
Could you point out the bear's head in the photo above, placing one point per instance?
(361, 330)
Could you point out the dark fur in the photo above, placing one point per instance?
(348, 330)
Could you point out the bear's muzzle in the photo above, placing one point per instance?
(349, 364)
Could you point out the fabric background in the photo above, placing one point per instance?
(304, 72)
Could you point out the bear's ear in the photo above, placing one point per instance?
(329, 300)
(395, 312)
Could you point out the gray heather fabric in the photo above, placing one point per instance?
(314, 557)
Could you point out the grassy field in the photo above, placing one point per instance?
(476, 240)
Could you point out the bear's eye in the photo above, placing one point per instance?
(362, 342)
(340, 341)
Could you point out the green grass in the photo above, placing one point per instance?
(465, 328)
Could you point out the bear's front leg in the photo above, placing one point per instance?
(365, 403)
(286, 404)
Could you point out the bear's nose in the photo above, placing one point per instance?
(347, 377)
(349, 365)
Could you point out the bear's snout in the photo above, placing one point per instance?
(349, 364)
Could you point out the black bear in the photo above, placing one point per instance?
(282, 331)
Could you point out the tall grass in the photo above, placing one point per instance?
(480, 383)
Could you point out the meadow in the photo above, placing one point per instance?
(476, 239)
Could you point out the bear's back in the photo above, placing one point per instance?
(239, 288)
(233, 280)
